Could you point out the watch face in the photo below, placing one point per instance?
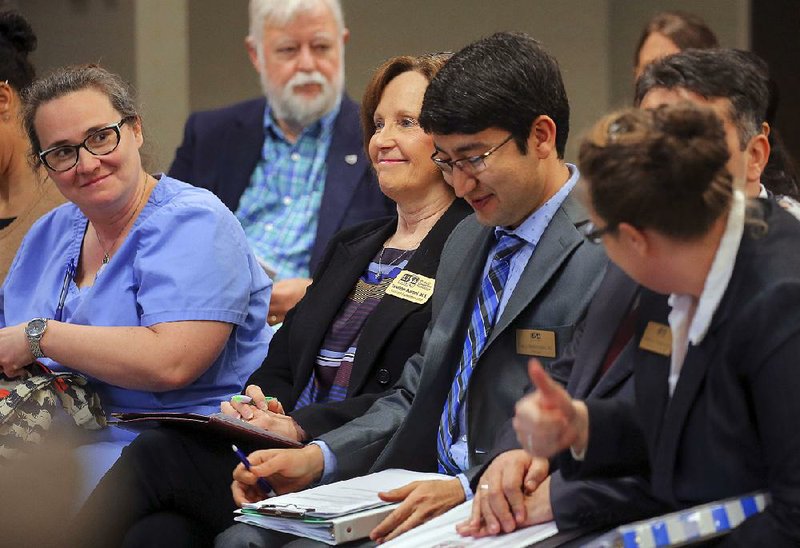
(35, 327)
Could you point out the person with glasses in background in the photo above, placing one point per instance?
(24, 193)
(142, 283)
(513, 281)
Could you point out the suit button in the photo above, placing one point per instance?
(384, 376)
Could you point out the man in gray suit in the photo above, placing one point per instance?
(513, 281)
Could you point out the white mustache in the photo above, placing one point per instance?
(303, 78)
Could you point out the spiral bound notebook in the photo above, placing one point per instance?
(223, 425)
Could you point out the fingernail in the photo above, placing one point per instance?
(520, 517)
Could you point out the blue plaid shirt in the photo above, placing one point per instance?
(280, 206)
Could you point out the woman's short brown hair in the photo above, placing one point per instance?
(662, 169)
(427, 65)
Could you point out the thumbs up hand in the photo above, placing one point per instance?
(549, 420)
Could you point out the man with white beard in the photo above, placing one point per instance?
(290, 164)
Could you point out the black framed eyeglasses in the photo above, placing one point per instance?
(99, 143)
(471, 165)
(595, 234)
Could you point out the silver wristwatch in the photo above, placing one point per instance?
(34, 331)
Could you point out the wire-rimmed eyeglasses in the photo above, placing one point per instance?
(471, 165)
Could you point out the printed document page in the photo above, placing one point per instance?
(441, 531)
(342, 497)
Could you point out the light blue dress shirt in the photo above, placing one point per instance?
(279, 209)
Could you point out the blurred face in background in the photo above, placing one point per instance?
(722, 107)
(301, 65)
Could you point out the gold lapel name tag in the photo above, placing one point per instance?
(657, 338)
(536, 342)
(411, 287)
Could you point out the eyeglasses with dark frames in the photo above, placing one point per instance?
(471, 165)
(99, 143)
(595, 234)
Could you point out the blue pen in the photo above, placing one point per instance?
(261, 482)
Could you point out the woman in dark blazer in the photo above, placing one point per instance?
(716, 373)
(343, 344)
(391, 334)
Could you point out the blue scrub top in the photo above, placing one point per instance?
(185, 258)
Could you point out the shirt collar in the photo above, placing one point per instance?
(323, 126)
(534, 225)
(720, 273)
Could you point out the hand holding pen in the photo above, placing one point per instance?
(246, 406)
(262, 483)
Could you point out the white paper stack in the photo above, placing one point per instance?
(339, 512)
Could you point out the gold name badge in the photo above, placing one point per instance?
(657, 338)
(411, 287)
(536, 342)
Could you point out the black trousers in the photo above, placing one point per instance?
(170, 487)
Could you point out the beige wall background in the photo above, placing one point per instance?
(185, 55)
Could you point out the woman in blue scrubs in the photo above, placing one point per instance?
(143, 283)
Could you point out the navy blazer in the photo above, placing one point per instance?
(221, 148)
(391, 334)
(730, 427)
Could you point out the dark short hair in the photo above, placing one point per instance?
(685, 30)
(739, 76)
(506, 81)
(662, 169)
(17, 40)
(66, 80)
(427, 65)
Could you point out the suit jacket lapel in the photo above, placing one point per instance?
(609, 307)
(240, 151)
(461, 297)
(392, 311)
(350, 260)
(342, 176)
(692, 377)
(690, 383)
(554, 247)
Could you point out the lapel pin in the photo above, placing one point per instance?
(351, 159)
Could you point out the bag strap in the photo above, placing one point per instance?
(79, 400)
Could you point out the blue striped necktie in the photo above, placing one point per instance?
(483, 316)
